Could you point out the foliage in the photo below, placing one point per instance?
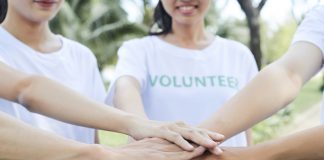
(276, 125)
(275, 44)
(100, 25)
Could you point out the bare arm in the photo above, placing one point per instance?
(272, 89)
(300, 146)
(127, 97)
(18, 143)
(44, 96)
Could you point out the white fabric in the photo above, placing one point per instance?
(311, 30)
(185, 84)
(2, 61)
(73, 66)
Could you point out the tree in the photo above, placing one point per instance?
(253, 19)
(100, 25)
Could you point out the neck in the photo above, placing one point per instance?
(37, 35)
(192, 36)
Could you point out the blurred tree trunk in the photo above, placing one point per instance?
(253, 18)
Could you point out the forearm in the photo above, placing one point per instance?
(249, 137)
(42, 95)
(306, 145)
(127, 96)
(22, 142)
(252, 104)
(64, 104)
(272, 89)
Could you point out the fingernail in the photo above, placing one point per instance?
(221, 136)
(190, 147)
(218, 151)
(211, 142)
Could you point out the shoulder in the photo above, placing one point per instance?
(313, 17)
(138, 46)
(78, 50)
(74, 45)
(143, 42)
(4, 56)
(317, 11)
(235, 48)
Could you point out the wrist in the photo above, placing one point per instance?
(95, 152)
(266, 151)
(132, 124)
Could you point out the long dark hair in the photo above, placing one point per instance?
(162, 19)
(3, 9)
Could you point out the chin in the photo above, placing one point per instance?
(42, 19)
(44, 16)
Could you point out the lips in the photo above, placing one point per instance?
(45, 3)
(187, 9)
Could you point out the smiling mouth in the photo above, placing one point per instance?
(187, 8)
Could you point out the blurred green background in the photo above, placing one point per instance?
(103, 25)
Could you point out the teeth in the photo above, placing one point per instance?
(186, 8)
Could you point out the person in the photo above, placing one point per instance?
(27, 44)
(181, 71)
(42, 95)
(74, 66)
(274, 88)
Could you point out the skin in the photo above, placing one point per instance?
(44, 96)
(51, 147)
(275, 86)
(188, 31)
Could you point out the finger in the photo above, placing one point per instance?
(217, 151)
(179, 140)
(195, 153)
(216, 136)
(198, 137)
(158, 141)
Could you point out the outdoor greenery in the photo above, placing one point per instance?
(276, 124)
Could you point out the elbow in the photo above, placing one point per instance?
(288, 82)
(25, 90)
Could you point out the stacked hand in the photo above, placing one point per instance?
(178, 133)
(230, 154)
(157, 149)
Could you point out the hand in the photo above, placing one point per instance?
(177, 132)
(230, 154)
(154, 149)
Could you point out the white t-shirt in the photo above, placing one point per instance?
(312, 30)
(73, 65)
(186, 84)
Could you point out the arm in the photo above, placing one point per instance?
(275, 87)
(249, 137)
(127, 97)
(44, 96)
(18, 143)
(300, 146)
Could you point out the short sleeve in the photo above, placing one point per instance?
(251, 69)
(131, 62)
(2, 53)
(311, 29)
(95, 83)
(2, 60)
